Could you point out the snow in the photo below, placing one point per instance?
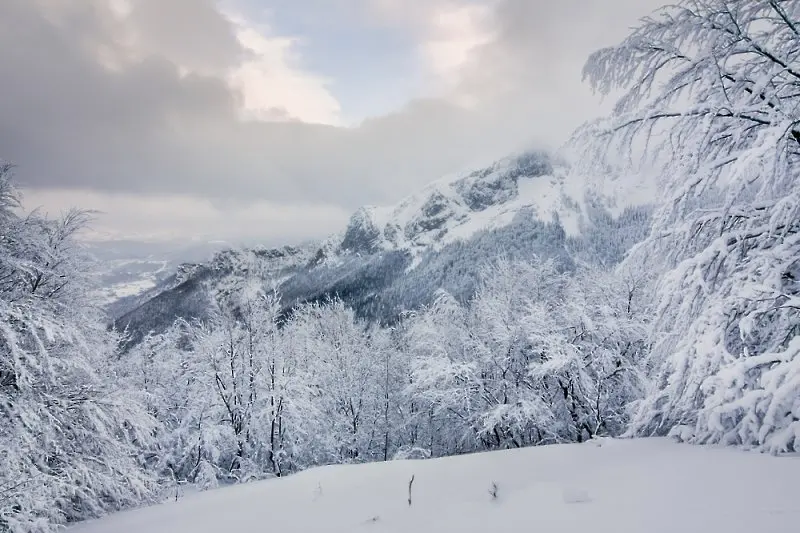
(542, 194)
(122, 290)
(563, 193)
(121, 278)
(619, 486)
(462, 222)
(539, 193)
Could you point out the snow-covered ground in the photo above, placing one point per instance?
(637, 486)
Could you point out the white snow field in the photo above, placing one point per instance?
(619, 486)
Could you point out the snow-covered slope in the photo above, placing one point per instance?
(456, 208)
(640, 486)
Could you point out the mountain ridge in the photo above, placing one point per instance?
(388, 260)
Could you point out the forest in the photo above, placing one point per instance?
(692, 332)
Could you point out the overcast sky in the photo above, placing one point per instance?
(275, 119)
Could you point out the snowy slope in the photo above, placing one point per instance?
(640, 486)
(457, 207)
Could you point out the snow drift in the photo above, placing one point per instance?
(649, 485)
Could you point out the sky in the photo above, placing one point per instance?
(273, 120)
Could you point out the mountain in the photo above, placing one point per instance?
(188, 292)
(392, 259)
(455, 209)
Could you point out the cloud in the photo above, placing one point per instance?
(141, 217)
(456, 31)
(189, 32)
(273, 87)
(145, 99)
(530, 71)
(447, 32)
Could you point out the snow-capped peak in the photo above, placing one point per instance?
(457, 207)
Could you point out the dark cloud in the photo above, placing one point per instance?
(190, 31)
(68, 121)
(78, 112)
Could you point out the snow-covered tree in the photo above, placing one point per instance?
(344, 363)
(234, 360)
(710, 92)
(71, 434)
(442, 386)
(505, 312)
(278, 396)
(606, 318)
(538, 356)
(188, 443)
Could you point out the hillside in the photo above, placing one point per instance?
(187, 293)
(392, 259)
(651, 485)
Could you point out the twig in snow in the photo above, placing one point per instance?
(493, 490)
